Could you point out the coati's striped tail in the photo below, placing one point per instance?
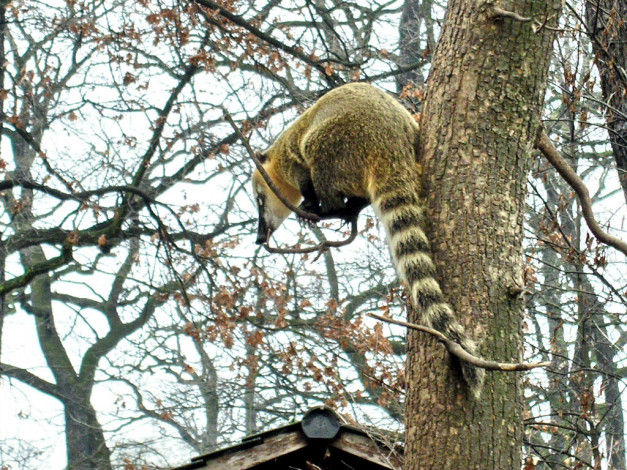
(398, 207)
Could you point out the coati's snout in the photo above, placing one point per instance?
(270, 218)
(263, 231)
(272, 212)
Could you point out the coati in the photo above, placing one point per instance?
(357, 145)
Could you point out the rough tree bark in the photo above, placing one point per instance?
(479, 122)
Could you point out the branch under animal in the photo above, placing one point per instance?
(456, 350)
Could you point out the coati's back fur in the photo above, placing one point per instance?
(359, 143)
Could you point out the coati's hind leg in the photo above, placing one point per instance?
(348, 210)
(354, 205)
(321, 201)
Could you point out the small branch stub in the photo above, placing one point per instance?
(500, 13)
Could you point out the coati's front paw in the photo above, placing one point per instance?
(310, 207)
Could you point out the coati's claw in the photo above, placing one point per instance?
(311, 208)
(306, 222)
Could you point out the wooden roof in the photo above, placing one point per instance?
(319, 442)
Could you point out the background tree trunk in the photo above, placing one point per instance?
(608, 32)
(479, 123)
(412, 48)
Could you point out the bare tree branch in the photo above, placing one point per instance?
(332, 78)
(37, 269)
(31, 379)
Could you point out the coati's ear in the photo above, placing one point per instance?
(263, 157)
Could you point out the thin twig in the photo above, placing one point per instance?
(544, 144)
(28, 138)
(456, 350)
(540, 26)
(332, 78)
(596, 38)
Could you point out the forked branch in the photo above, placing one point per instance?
(320, 247)
(456, 350)
(544, 144)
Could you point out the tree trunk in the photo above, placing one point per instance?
(85, 442)
(86, 445)
(558, 394)
(479, 122)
